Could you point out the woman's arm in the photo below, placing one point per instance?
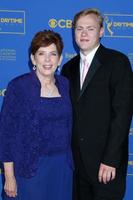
(10, 185)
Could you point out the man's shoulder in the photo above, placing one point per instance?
(70, 66)
(114, 59)
(112, 52)
(72, 61)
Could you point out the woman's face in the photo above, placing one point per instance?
(46, 60)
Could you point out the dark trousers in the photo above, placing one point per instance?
(84, 188)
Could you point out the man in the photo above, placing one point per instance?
(101, 82)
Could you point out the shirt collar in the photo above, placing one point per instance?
(90, 55)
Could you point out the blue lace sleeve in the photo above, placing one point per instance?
(7, 125)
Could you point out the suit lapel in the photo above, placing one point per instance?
(76, 79)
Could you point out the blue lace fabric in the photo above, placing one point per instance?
(34, 126)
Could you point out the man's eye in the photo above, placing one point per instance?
(90, 29)
(79, 29)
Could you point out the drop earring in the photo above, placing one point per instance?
(34, 67)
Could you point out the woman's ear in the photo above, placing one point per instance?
(60, 60)
(32, 59)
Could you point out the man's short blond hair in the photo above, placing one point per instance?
(88, 11)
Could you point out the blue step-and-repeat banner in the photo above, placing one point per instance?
(20, 20)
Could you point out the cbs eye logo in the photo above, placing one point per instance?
(62, 23)
(52, 23)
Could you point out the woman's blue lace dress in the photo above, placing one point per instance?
(51, 173)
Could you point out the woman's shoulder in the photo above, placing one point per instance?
(18, 83)
(20, 79)
(63, 83)
(63, 80)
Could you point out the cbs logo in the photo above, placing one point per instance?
(62, 23)
(2, 92)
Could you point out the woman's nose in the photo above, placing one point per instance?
(47, 58)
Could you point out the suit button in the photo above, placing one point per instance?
(82, 139)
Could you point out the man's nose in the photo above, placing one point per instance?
(84, 32)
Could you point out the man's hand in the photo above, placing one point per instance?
(106, 173)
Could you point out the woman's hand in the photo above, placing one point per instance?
(10, 186)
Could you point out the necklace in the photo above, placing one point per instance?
(50, 92)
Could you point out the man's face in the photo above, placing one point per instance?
(88, 33)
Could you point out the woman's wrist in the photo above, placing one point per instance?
(9, 170)
(9, 176)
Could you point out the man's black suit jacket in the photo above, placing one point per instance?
(102, 109)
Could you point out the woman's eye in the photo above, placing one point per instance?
(53, 54)
(40, 53)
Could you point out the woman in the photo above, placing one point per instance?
(35, 130)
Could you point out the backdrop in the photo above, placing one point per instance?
(20, 20)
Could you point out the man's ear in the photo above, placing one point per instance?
(101, 31)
